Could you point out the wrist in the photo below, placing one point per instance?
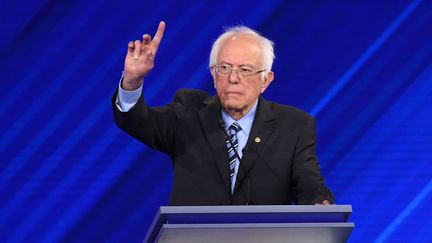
(129, 84)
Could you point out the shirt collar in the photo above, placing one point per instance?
(245, 122)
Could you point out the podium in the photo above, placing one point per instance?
(259, 223)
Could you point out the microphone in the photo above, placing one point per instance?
(222, 126)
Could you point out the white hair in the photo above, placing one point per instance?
(267, 51)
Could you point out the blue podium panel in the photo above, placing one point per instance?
(256, 214)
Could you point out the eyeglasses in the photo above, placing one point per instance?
(242, 71)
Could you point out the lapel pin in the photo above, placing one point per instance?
(257, 140)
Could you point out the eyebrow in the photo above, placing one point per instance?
(241, 65)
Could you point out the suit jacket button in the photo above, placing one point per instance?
(257, 140)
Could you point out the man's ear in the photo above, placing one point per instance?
(267, 80)
(213, 73)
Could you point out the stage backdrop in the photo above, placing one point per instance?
(363, 68)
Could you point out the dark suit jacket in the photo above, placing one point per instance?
(281, 168)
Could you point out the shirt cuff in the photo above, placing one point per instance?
(127, 99)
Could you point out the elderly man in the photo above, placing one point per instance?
(232, 148)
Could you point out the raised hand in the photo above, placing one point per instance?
(140, 57)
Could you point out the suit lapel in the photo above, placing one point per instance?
(209, 116)
(262, 127)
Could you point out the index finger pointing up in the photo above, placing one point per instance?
(159, 34)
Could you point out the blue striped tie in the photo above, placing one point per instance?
(232, 132)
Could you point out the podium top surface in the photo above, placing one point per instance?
(247, 214)
(258, 209)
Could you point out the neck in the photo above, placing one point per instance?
(237, 114)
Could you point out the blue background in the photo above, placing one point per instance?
(363, 68)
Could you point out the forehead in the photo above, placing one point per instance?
(241, 49)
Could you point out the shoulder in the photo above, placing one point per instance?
(288, 114)
(191, 97)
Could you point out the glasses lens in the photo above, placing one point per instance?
(246, 72)
(225, 69)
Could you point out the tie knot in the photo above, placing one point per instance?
(235, 127)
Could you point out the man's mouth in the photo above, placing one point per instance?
(235, 93)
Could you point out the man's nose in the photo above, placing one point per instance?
(233, 76)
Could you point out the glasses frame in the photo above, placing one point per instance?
(236, 69)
